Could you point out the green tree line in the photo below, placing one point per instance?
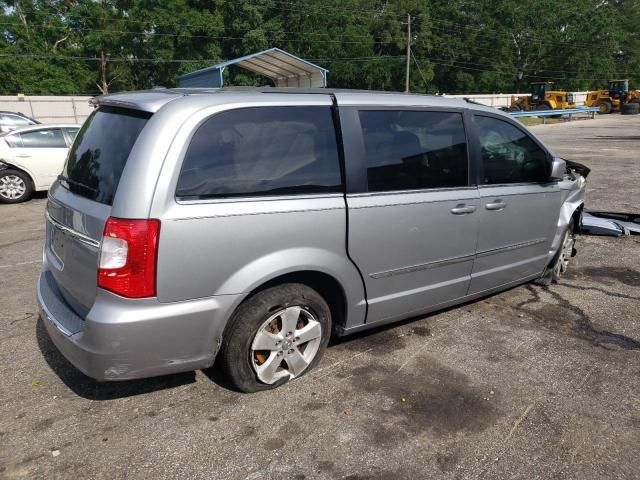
(99, 46)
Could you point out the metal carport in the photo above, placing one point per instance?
(284, 69)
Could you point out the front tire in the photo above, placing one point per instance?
(276, 335)
(15, 186)
(604, 107)
(560, 263)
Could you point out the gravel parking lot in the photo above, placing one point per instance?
(529, 383)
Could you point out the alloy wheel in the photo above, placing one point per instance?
(285, 344)
(12, 187)
(562, 264)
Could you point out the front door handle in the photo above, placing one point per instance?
(497, 205)
(462, 209)
(23, 155)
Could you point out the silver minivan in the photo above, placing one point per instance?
(249, 225)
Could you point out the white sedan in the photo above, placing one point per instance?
(31, 158)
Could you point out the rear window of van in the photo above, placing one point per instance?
(100, 152)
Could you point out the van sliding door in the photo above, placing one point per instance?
(413, 219)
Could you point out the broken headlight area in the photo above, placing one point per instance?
(575, 167)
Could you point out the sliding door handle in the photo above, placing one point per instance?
(462, 209)
(497, 205)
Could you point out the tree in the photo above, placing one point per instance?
(33, 33)
(100, 46)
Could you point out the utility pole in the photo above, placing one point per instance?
(406, 85)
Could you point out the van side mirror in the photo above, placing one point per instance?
(558, 168)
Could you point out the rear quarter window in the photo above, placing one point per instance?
(100, 152)
(262, 151)
(49, 138)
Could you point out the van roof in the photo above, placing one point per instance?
(153, 100)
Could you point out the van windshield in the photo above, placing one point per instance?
(100, 152)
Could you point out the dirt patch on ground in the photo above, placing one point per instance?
(426, 396)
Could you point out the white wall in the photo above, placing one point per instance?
(49, 109)
(504, 99)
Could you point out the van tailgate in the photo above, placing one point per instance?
(80, 201)
(74, 230)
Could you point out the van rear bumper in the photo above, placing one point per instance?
(123, 339)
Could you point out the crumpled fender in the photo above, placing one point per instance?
(573, 192)
(4, 165)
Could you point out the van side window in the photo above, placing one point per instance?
(509, 155)
(408, 150)
(262, 151)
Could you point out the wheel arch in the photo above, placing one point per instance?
(577, 216)
(571, 210)
(326, 285)
(323, 269)
(13, 166)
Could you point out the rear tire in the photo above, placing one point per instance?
(630, 108)
(604, 106)
(276, 335)
(15, 186)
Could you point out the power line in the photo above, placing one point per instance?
(419, 70)
(109, 59)
(475, 28)
(478, 46)
(478, 29)
(534, 70)
(212, 37)
(449, 64)
(437, 61)
(190, 60)
(302, 9)
(286, 40)
(294, 40)
(433, 24)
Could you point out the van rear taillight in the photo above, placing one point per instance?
(128, 256)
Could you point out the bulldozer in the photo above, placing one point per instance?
(614, 98)
(543, 97)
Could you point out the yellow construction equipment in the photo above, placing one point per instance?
(543, 97)
(613, 99)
